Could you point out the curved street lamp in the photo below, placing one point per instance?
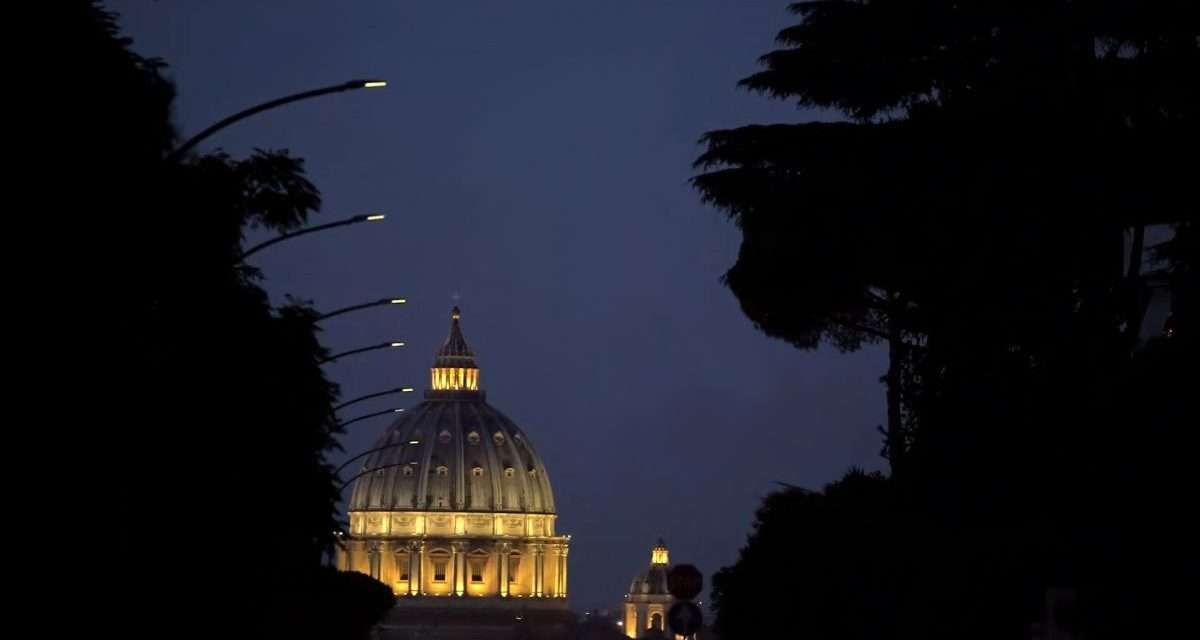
(365, 305)
(271, 104)
(384, 345)
(365, 217)
(373, 395)
(366, 471)
(370, 415)
(367, 453)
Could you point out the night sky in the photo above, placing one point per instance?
(533, 159)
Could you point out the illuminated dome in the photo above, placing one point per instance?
(653, 581)
(648, 600)
(454, 451)
(453, 502)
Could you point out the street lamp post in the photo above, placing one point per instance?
(373, 395)
(246, 113)
(384, 345)
(370, 415)
(366, 217)
(365, 305)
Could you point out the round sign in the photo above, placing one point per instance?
(685, 582)
(684, 618)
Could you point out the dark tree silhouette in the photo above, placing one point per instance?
(202, 474)
(983, 208)
(977, 179)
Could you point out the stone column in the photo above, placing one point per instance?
(458, 558)
(502, 549)
(563, 578)
(416, 554)
(538, 572)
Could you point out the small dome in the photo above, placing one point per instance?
(653, 581)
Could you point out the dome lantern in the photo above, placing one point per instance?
(659, 554)
(454, 367)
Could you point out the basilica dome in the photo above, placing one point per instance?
(453, 503)
(454, 451)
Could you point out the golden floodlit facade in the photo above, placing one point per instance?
(454, 504)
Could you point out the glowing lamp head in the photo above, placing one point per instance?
(375, 217)
(374, 84)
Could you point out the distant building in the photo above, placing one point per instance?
(648, 600)
(455, 513)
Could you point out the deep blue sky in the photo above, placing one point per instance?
(533, 160)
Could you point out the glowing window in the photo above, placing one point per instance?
(477, 564)
(442, 470)
(532, 471)
(402, 566)
(509, 472)
(498, 438)
(373, 563)
(514, 564)
(477, 471)
(439, 568)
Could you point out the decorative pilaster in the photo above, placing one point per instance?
(563, 575)
(416, 556)
(458, 558)
(503, 549)
(539, 552)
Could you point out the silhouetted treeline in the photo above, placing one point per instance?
(199, 486)
(986, 209)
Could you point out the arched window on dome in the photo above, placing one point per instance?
(498, 438)
(473, 437)
(656, 621)
(477, 471)
(442, 470)
(509, 472)
(444, 436)
(407, 470)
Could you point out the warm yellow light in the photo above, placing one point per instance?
(454, 378)
(373, 84)
(398, 301)
(396, 344)
(376, 216)
(659, 556)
